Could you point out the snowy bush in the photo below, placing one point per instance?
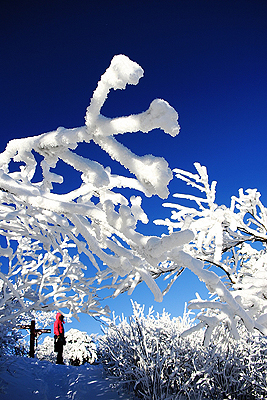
(149, 355)
(80, 348)
(11, 340)
(45, 350)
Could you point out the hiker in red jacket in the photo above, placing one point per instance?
(59, 339)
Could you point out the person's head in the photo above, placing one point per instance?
(60, 316)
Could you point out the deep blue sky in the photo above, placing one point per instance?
(207, 58)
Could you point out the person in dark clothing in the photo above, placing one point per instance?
(59, 339)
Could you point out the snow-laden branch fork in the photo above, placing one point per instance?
(45, 234)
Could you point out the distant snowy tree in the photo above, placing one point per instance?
(42, 319)
(228, 250)
(80, 348)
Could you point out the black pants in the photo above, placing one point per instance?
(59, 343)
(60, 353)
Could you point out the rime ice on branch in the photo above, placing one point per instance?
(44, 234)
(232, 240)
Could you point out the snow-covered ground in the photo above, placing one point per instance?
(31, 379)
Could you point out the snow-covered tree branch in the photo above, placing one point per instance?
(49, 239)
(228, 252)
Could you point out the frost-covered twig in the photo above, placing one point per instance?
(229, 239)
(57, 249)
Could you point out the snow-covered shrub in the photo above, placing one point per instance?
(149, 355)
(11, 340)
(80, 348)
(45, 350)
(236, 369)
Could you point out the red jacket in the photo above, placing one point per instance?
(58, 326)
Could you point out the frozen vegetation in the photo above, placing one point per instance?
(49, 240)
(149, 354)
(67, 250)
(45, 234)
